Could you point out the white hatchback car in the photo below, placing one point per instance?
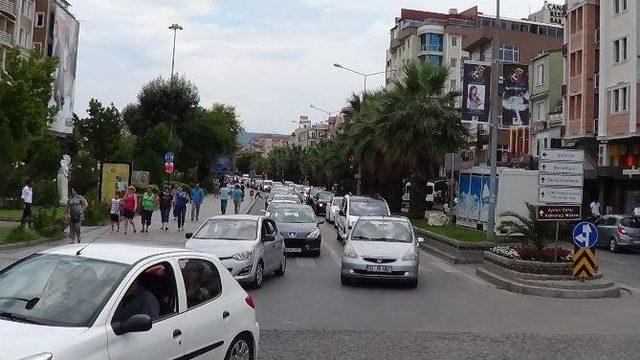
(116, 301)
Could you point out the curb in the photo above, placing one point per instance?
(6, 219)
(27, 244)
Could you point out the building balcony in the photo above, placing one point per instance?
(6, 39)
(8, 8)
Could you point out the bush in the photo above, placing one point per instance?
(21, 234)
(97, 213)
(48, 223)
(545, 255)
(46, 193)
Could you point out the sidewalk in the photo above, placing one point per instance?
(172, 237)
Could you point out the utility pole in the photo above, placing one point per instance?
(496, 73)
(175, 28)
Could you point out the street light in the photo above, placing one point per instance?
(175, 28)
(365, 76)
(323, 110)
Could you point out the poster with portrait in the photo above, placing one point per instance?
(476, 91)
(515, 99)
(114, 177)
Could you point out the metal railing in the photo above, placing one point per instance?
(8, 6)
(6, 38)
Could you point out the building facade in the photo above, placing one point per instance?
(16, 26)
(263, 144)
(545, 83)
(307, 135)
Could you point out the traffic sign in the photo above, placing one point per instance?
(560, 180)
(559, 212)
(584, 263)
(557, 195)
(561, 168)
(169, 157)
(585, 235)
(562, 155)
(168, 167)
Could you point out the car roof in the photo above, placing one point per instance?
(115, 252)
(363, 198)
(238, 217)
(383, 217)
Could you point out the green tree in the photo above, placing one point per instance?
(101, 132)
(247, 161)
(527, 228)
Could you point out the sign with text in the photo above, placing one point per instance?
(558, 195)
(562, 155)
(560, 180)
(559, 212)
(562, 168)
(476, 91)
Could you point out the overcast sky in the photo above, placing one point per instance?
(269, 58)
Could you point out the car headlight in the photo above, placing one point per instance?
(412, 254)
(350, 252)
(245, 255)
(41, 356)
(314, 234)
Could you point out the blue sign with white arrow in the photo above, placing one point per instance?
(585, 234)
(168, 157)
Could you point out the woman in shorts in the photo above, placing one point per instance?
(129, 204)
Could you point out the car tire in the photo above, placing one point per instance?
(413, 283)
(258, 276)
(283, 267)
(613, 246)
(316, 253)
(345, 280)
(241, 348)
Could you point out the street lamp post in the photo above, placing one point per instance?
(365, 76)
(495, 113)
(323, 110)
(175, 28)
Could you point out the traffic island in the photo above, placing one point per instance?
(545, 279)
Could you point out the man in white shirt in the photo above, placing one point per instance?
(595, 209)
(27, 199)
(636, 210)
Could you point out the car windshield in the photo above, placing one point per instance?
(631, 222)
(293, 215)
(368, 208)
(336, 201)
(58, 290)
(325, 196)
(382, 230)
(228, 229)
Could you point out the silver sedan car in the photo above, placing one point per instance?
(381, 248)
(249, 246)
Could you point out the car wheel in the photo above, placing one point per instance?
(258, 276)
(241, 349)
(413, 283)
(316, 253)
(613, 246)
(283, 267)
(345, 280)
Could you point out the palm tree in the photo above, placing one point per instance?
(527, 229)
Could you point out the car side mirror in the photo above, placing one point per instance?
(263, 211)
(188, 235)
(350, 227)
(136, 323)
(268, 237)
(420, 240)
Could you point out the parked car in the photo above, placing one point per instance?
(297, 224)
(381, 248)
(249, 246)
(332, 210)
(352, 207)
(83, 302)
(321, 201)
(618, 232)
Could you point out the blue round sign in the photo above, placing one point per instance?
(585, 234)
(168, 157)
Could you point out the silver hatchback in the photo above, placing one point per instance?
(617, 232)
(381, 248)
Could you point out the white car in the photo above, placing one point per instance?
(352, 207)
(117, 301)
(334, 208)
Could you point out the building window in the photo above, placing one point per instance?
(453, 86)
(454, 62)
(454, 41)
(540, 74)
(432, 42)
(37, 46)
(433, 59)
(510, 53)
(619, 6)
(619, 100)
(40, 19)
(620, 50)
(540, 111)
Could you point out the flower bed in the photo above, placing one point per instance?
(531, 253)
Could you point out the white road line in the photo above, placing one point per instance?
(334, 254)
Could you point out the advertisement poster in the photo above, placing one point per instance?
(515, 101)
(221, 165)
(114, 177)
(476, 91)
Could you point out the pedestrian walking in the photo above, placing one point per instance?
(224, 199)
(595, 210)
(166, 204)
(129, 204)
(115, 212)
(148, 205)
(181, 201)
(197, 197)
(216, 188)
(27, 200)
(74, 214)
(237, 199)
(174, 192)
(636, 210)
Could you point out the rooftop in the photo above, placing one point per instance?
(115, 252)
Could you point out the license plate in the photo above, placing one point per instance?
(379, 268)
(293, 250)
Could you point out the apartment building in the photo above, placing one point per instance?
(264, 143)
(545, 83)
(307, 135)
(16, 26)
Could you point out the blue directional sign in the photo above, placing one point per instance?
(168, 157)
(585, 235)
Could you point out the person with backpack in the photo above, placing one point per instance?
(238, 196)
(181, 201)
(74, 214)
(148, 205)
(166, 204)
(129, 204)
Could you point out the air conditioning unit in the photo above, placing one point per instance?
(603, 155)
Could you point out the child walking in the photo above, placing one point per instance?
(115, 212)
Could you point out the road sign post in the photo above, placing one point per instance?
(585, 237)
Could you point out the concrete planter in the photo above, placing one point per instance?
(454, 251)
(529, 267)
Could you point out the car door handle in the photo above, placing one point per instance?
(225, 314)
(176, 333)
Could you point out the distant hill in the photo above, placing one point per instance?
(244, 138)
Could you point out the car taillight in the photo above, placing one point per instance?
(621, 230)
(249, 301)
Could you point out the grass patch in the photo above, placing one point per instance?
(16, 214)
(456, 232)
(18, 234)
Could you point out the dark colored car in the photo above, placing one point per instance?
(617, 232)
(312, 193)
(321, 201)
(299, 228)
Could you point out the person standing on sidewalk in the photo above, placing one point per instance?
(182, 199)
(197, 197)
(237, 198)
(216, 188)
(115, 212)
(27, 200)
(148, 205)
(129, 204)
(74, 214)
(166, 204)
(224, 199)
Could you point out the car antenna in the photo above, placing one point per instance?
(79, 252)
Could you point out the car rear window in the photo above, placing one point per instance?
(368, 208)
(631, 222)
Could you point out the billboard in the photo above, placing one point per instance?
(221, 165)
(476, 91)
(65, 47)
(114, 177)
(515, 100)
